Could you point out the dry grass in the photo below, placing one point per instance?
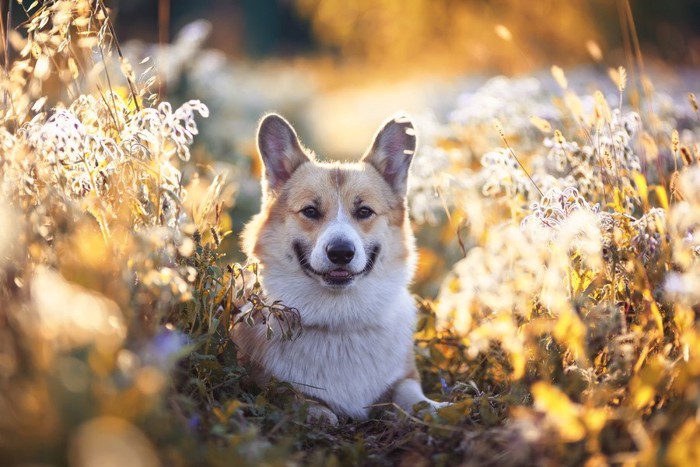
(565, 333)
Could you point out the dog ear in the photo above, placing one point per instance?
(392, 152)
(279, 150)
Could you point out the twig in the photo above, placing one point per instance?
(163, 38)
(109, 81)
(499, 127)
(110, 26)
(626, 35)
(6, 32)
(112, 113)
(464, 224)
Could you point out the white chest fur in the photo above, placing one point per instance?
(348, 364)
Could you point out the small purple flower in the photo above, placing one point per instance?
(443, 383)
(193, 422)
(165, 349)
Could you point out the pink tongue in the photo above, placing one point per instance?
(340, 273)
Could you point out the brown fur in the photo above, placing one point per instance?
(321, 185)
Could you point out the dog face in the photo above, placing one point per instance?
(337, 224)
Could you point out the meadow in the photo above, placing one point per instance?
(558, 286)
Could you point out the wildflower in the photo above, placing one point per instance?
(164, 349)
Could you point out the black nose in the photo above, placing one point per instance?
(340, 252)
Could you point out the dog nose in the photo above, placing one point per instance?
(340, 252)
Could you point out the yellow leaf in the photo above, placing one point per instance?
(517, 361)
(640, 182)
(570, 331)
(456, 412)
(219, 415)
(643, 395)
(684, 317)
(595, 419)
(684, 448)
(559, 409)
(232, 406)
(651, 375)
(655, 312)
(663, 197)
(581, 280)
(618, 202)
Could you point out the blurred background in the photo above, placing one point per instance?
(349, 64)
(454, 35)
(337, 69)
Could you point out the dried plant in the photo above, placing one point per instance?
(113, 300)
(565, 330)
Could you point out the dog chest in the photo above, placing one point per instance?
(347, 370)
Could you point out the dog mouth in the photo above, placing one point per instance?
(337, 277)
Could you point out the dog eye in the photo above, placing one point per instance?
(363, 213)
(311, 212)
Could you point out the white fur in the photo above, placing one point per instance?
(356, 343)
(349, 367)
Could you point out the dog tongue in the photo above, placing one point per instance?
(340, 273)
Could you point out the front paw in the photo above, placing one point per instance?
(429, 406)
(318, 413)
(438, 405)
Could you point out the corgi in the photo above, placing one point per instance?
(333, 240)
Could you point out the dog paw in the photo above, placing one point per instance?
(321, 414)
(430, 407)
(438, 405)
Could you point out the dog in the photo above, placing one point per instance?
(333, 240)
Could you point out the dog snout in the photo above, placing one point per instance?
(340, 252)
